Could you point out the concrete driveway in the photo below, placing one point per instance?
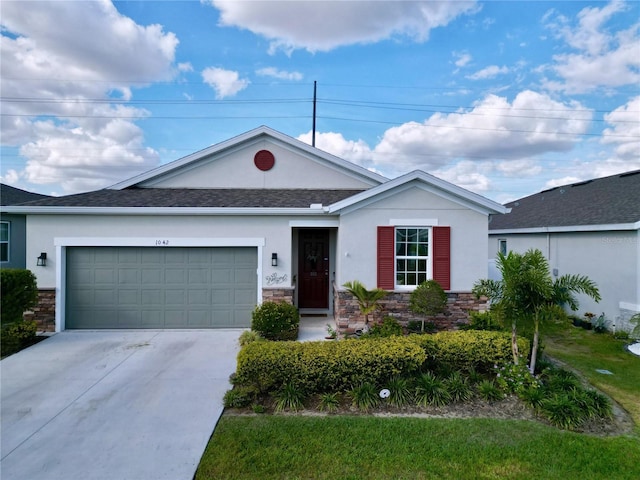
(113, 405)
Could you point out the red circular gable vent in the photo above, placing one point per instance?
(264, 160)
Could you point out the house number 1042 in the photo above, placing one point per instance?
(162, 243)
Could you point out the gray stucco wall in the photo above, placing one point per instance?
(610, 258)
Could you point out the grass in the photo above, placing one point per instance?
(362, 447)
(588, 352)
(366, 447)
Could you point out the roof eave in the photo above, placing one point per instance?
(455, 193)
(166, 211)
(567, 228)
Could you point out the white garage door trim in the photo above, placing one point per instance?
(61, 244)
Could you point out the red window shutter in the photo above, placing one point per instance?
(442, 256)
(386, 257)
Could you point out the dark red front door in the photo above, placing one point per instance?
(313, 269)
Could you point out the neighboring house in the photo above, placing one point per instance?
(197, 243)
(588, 228)
(13, 227)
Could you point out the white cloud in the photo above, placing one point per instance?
(558, 182)
(73, 56)
(603, 59)
(185, 67)
(226, 83)
(81, 159)
(279, 74)
(468, 174)
(625, 130)
(323, 26)
(519, 168)
(491, 71)
(531, 125)
(462, 58)
(334, 143)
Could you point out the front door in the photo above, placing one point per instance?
(313, 269)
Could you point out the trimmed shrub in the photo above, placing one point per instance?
(388, 328)
(463, 350)
(16, 336)
(276, 321)
(239, 397)
(318, 367)
(19, 293)
(482, 321)
(249, 336)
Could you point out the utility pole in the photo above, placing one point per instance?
(313, 137)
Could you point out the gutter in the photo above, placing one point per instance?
(25, 210)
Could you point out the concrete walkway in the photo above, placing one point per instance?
(314, 328)
(109, 405)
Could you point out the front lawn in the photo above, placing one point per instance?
(370, 447)
(365, 447)
(588, 352)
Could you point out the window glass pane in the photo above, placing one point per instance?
(423, 250)
(4, 252)
(401, 265)
(422, 277)
(401, 249)
(423, 235)
(422, 265)
(411, 279)
(4, 232)
(400, 279)
(412, 234)
(412, 250)
(401, 235)
(411, 265)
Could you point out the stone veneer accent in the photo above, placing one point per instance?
(396, 305)
(44, 313)
(277, 295)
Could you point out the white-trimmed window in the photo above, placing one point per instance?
(412, 259)
(4, 241)
(502, 246)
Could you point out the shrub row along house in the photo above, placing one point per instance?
(198, 242)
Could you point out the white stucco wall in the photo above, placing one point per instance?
(236, 169)
(357, 237)
(610, 258)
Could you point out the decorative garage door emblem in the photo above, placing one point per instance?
(264, 160)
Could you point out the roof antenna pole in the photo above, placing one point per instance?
(313, 137)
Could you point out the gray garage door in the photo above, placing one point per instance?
(139, 287)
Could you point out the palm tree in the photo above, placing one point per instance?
(368, 300)
(527, 292)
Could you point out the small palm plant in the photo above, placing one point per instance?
(368, 300)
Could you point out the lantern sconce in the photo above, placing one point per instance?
(274, 259)
(42, 260)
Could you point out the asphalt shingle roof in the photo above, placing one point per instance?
(184, 197)
(14, 196)
(601, 201)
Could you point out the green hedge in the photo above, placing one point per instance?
(19, 293)
(276, 321)
(480, 349)
(319, 367)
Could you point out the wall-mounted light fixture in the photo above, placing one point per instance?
(42, 260)
(274, 259)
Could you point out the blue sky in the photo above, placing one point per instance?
(503, 98)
